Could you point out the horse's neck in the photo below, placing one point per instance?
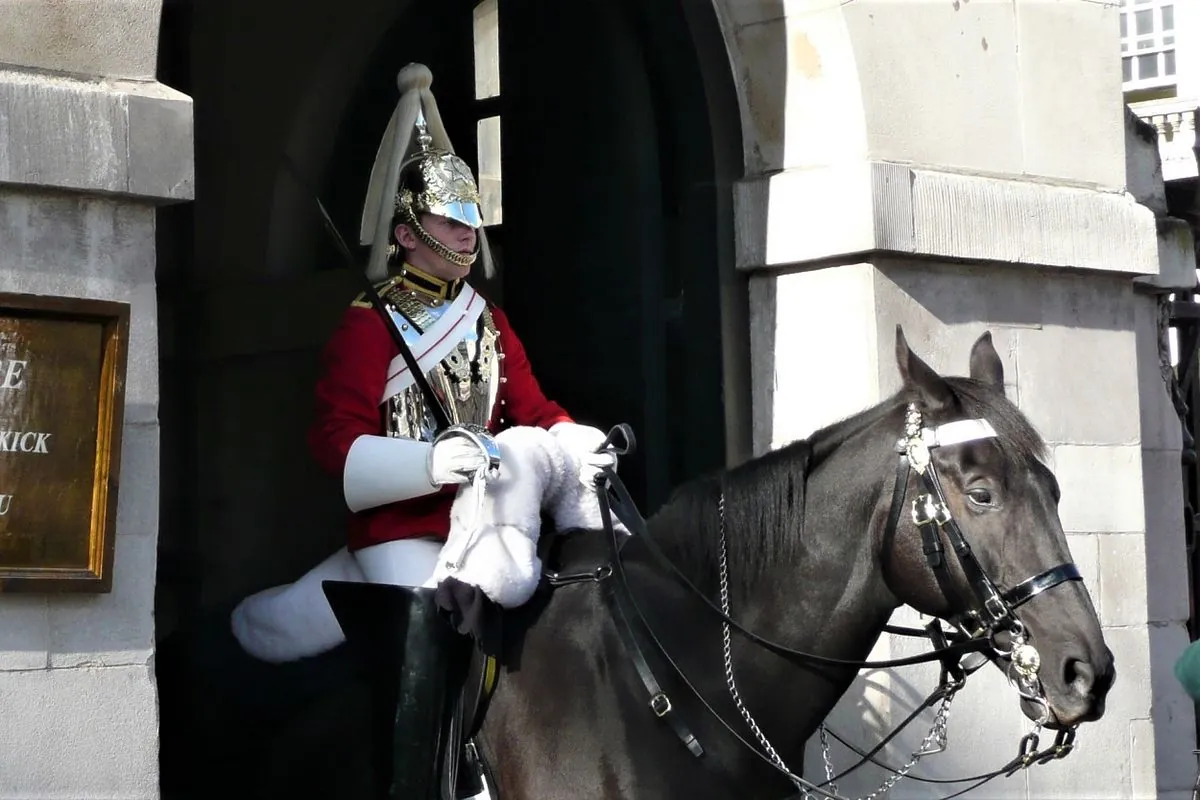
(831, 602)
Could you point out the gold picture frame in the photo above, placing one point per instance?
(62, 406)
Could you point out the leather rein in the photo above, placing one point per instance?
(989, 613)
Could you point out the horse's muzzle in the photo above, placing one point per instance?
(1076, 692)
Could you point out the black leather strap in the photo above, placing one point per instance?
(1027, 590)
(899, 490)
(660, 702)
(626, 511)
(992, 608)
(432, 401)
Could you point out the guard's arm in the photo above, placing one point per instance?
(525, 402)
(345, 435)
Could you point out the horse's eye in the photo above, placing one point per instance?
(982, 497)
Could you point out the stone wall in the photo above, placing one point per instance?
(86, 152)
(955, 188)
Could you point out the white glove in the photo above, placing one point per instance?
(455, 460)
(580, 443)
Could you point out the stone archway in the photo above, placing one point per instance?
(321, 90)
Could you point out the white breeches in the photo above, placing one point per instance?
(406, 562)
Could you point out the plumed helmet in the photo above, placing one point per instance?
(436, 181)
(417, 172)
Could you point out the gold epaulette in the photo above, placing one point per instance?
(383, 288)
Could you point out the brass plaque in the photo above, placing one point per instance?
(62, 381)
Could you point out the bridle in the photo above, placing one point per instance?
(976, 630)
(990, 612)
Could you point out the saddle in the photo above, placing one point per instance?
(470, 773)
(573, 556)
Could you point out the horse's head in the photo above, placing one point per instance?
(1003, 500)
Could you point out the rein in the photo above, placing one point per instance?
(990, 613)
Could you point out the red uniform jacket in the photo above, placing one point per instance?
(354, 367)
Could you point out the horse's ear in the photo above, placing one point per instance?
(985, 362)
(919, 376)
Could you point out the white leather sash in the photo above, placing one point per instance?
(436, 342)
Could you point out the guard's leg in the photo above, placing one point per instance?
(404, 562)
(417, 665)
(293, 621)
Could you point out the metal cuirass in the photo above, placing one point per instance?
(466, 380)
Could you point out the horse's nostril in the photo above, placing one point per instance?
(1079, 676)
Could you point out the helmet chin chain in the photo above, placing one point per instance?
(428, 239)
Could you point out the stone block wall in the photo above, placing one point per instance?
(83, 163)
(1077, 363)
(954, 189)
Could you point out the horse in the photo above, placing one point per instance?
(804, 545)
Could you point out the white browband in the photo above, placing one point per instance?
(919, 440)
(964, 430)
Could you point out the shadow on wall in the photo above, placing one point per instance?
(756, 43)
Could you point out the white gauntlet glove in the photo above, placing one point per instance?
(455, 460)
(384, 469)
(580, 443)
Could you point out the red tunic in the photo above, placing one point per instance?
(354, 367)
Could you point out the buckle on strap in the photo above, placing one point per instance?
(660, 704)
(927, 509)
(994, 604)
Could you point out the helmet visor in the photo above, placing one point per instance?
(464, 211)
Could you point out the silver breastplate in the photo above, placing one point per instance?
(466, 380)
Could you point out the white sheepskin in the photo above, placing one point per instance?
(494, 526)
(294, 621)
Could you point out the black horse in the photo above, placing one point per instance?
(815, 556)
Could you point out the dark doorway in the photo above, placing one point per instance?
(609, 133)
(614, 223)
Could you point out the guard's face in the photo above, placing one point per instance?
(455, 235)
(452, 233)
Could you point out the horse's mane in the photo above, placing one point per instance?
(765, 497)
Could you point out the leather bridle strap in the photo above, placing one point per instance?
(994, 608)
(625, 510)
(1025, 591)
(990, 601)
(616, 600)
(899, 491)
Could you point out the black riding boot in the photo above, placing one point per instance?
(417, 664)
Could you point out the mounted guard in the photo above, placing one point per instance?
(448, 451)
